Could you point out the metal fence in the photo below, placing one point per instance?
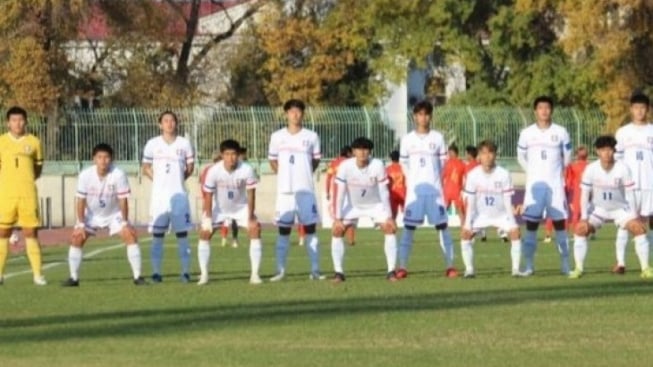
(68, 142)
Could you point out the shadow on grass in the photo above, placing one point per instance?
(144, 322)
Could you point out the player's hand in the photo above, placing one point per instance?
(338, 225)
(205, 224)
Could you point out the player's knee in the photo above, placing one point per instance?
(441, 226)
(582, 229)
(129, 237)
(310, 229)
(466, 235)
(29, 232)
(532, 226)
(181, 234)
(337, 232)
(636, 227)
(388, 229)
(254, 231)
(560, 225)
(284, 231)
(514, 234)
(205, 235)
(77, 241)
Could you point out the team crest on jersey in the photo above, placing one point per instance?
(617, 182)
(554, 138)
(432, 146)
(27, 149)
(111, 188)
(497, 184)
(181, 152)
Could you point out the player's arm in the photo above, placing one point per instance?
(190, 162)
(508, 193)
(629, 186)
(208, 190)
(384, 192)
(585, 191)
(148, 158)
(317, 153)
(566, 149)
(403, 157)
(190, 167)
(470, 203)
(80, 210)
(123, 195)
(124, 209)
(38, 160)
(522, 152)
(619, 148)
(251, 195)
(340, 189)
(273, 154)
(329, 178)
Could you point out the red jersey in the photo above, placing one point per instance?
(331, 173)
(470, 165)
(574, 175)
(396, 180)
(452, 177)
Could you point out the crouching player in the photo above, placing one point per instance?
(102, 192)
(364, 182)
(611, 188)
(489, 190)
(229, 194)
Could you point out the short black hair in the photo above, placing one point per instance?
(230, 144)
(543, 99)
(168, 112)
(471, 150)
(605, 141)
(362, 143)
(487, 144)
(345, 151)
(103, 147)
(294, 103)
(243, 150)
(640, 98)
(16, 110)
(425, 106)
(394, 156)
(454, 147)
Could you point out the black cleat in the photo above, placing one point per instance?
(70, 283)
(140, 281)
(338, 278)
(157, 278)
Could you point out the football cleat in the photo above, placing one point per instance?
(185, 278)
(338, 278)
(157, 278)
(391, 276)
(451, 272)
(70, 282)
(647, 273)
(234, 244)
(204, 279)
(140, 281)
(547, 239)
(277, 278)
(401, 273)
(619, 269)
(469, 275)
(576, 274)
(40, 281)
(316, 275)
(255, 279)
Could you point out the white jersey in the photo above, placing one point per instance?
(294, 154)
(230, 188)
(102, 194)
(635, 149)
(489, 194)
(362, 184)
(544, 153)
(423, 157)
(169, 162)
(608, 188)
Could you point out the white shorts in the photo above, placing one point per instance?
(420, 206)
(301, 205)
(170, 214)
(505, 223)
(94, 222)
(644, 202)
(543, 201)
(377, 213)
(241, 217)
(598, 216)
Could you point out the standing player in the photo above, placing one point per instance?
(21, 163)
(423, 154)
(229, 195)
(573, 176)
(102, 193)
(362, 191)
(543, 151)
(345, 153)
(453, 175)
(635, 149)
(489, 192)
(294, 155)
(471, 158)
(168, 160)
(611, 188)
(396, 184)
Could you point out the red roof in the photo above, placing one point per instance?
(96, 27)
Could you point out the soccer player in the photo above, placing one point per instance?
(363, 182)
(423, 153)
(168, 160)
(543, 152)
(489, 192)
(453, 175)
(635, 149)
(102, 193)
(345, 153)
(229, 195)
(612, 191)
(396, 184)
(573, 176)
(294, 154)
(471, 158)
(21, 163)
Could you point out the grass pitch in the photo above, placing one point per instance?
(425, 320)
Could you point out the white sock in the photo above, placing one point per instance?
(156, 254)
(282, 253)
(255, 254)
(580, 252)
(74, 261)
(134, 258)
(183, 250)
(204, 256)
(467, 251)
(390, 248)
(621, 243)
(313, 252)
(338, 254)
(563, 250)
(641, 248)
(529, 246)
(515, 254)
(405, 247)
(446, 245)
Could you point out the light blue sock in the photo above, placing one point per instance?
(183, 251)
(529, 246)
(156, 254)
